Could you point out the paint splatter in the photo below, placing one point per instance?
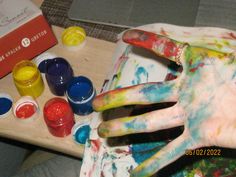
(157, 92)
(141, 152)
(141, 76)
(194, 61)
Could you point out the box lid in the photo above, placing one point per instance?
(14, 13)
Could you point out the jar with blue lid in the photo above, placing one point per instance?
(58, 74)
(5, 105)
(81, 131)
(80, 94)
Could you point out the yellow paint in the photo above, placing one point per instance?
(27, 79)
(198, 51)
(73, 36)
(226, 43)
(25, 73)
(218, 131)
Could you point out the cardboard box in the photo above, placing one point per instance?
(24, 33)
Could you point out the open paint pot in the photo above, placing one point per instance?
(42, 60)
(5, 105)
(27, 79)
(58, 74)
(26, 109)
(58, 117)
(80, 94)
(81, 132)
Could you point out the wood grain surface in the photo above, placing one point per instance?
(92, 61)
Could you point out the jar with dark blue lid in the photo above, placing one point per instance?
(5, 105)
(58, 74)
(43, 59)
(80, 94)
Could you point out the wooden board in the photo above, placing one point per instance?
(92, 61)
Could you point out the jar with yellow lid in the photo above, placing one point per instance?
(73, 38)
(28, 79)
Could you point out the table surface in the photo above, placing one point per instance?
(92, 61)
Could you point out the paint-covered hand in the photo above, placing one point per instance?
(205, 96)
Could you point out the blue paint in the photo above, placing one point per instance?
(157, 92)
(141, 152)
(114, 169)
(197, 117)
(177, 151)
(42, 65)
(80, 91)
(5, 105)
(234, 75)
(135, 125)
(58, 74)
(80, 94)
(141, 75)
(82, 134)
(151, 66)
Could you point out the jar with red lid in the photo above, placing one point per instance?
(58, 117)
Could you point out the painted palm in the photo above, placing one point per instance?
(205, 95)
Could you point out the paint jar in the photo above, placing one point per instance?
(81, 132)
(58, 74)
(42, 60)
(28, 79)
(73, 38)
(5, 105)
(26, 109)
(58, 117)
(80, 94)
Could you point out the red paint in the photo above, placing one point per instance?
(163, 32)
(229, 35)
(95, 145)
(59, 117)
(196, 68)
(121, 151)
(170, 77)
(170, 49)
(149, 40)
(187, 33)
(232, 35)
(190, 62)
(140, 38)
(56, 110)
(217, 173)
(25, 110)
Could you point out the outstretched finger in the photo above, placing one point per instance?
(165, 156)
(149, 122)
(161, 45)
(147, 93)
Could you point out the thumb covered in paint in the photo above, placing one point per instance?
(160, 45)
(139, 38)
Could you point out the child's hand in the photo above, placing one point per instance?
(205, 96)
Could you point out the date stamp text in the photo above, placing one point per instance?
(203, 152)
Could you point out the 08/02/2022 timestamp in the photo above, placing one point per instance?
(203, 152)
